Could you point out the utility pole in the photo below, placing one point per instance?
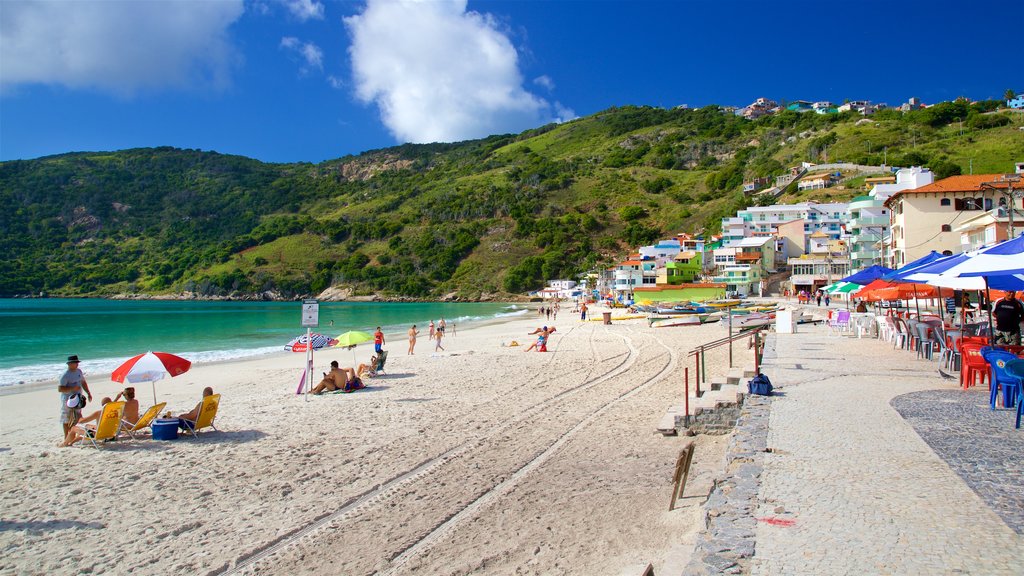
(1010, 195)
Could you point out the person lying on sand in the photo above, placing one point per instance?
(82, 430)
(131, 405)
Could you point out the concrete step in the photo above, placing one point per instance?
(735, 375)
(667, 424)
(717, 383)
(749, 373)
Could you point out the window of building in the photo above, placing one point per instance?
(947, 228)
(944, 202)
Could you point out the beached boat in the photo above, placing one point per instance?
(688, 320)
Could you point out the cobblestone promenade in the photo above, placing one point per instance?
(849, 486)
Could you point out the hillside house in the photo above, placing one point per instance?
(816, 181)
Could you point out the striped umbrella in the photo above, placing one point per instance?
(301, 343)
(150, 367)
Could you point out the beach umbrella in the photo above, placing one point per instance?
(301, 343)
(868, 275)
(350, 339)
(151, 366)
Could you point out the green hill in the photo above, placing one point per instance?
(475, 218)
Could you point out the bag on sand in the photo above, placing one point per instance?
(760, 385)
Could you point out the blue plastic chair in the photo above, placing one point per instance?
(998, 359)
(1016, 368)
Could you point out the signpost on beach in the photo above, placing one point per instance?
(310, 320)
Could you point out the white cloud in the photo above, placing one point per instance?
(440, 73)
(545, 82)
(119, 47)
(305, 9)
(335, 82)
(311, 54)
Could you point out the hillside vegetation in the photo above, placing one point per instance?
(475, 219)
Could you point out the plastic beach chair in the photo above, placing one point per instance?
(144, 421)
(1000, 377)
(378, 366)
(972, 364)
(207, 414)
(108, 425)
(1015, 368)
(839, 323)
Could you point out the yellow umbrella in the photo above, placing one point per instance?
(350, 339)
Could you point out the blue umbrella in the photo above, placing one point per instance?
(868, 275)
(902, 272)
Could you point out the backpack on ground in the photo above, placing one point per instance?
(760, 385)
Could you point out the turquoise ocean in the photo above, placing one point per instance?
(37, 335)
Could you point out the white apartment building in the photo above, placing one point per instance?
(763, 220)
(663, 252)
(868, 218)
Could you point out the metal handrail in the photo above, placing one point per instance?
(701, 366)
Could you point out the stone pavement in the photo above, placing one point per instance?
(979, 444)
(849, 487)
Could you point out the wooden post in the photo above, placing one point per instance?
(681, 474)
(757, 346)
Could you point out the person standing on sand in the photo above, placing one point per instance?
(412, 339)
(432, 330)
(441, 325)
(437, 337)
(583, 312)
(72, 382)
(378, 341)
(828, 299)
(819, 298)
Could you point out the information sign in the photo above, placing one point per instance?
(310, 313)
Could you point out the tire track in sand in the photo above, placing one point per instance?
(506, 485)
(380, 493)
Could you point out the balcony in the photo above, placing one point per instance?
(868, 222)
(865, 255)
(748, 257)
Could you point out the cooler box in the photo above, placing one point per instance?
(607, 316)
(165, 429)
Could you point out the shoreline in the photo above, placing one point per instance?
(513, 437)
(34, 385)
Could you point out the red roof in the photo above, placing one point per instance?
(631, 263)
(961, 183)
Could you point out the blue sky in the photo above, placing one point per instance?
(309, 80)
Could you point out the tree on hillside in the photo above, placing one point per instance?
(1010, 94)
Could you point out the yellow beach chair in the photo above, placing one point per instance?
(109, 423)
(144, 421)
(207, 414)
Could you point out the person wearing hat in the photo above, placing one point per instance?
(72, 383)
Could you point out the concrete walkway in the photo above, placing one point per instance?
(849, 486)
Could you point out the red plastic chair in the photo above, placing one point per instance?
(972, 364)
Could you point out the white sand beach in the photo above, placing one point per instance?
(478, 459)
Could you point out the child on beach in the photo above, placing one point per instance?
(437, 337)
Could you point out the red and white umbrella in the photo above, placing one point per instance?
(150, 367)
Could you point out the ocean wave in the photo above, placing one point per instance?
(43, 372)
(510, 314)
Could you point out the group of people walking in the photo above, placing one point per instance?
(436, 335)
